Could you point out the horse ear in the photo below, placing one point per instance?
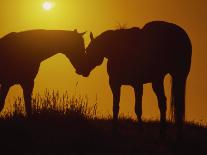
(75, 31)
(91, 36)
(82, 33)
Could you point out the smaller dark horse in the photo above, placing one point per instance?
(138, 56)
(21, 54)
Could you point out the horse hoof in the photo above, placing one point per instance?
(163, 133)
(140, 127)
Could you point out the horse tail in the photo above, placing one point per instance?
(178, 90)
(178, 87)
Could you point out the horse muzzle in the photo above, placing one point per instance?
(83, 73)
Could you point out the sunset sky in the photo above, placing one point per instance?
(57, 73)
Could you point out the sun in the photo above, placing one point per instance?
(47, 5)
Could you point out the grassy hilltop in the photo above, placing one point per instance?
(75, 129)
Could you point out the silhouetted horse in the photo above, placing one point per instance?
(138, 56)
(21, 54)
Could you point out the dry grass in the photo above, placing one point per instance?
(54, 104)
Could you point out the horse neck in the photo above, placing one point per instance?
(103, 44)
(53, 50)
(110, 42)
(76, 59)
(115, 44)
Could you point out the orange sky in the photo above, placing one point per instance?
(57, 72)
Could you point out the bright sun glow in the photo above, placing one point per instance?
(47, 5)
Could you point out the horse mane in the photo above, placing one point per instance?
(34, 31)
(132, 29)
(119, 31)
(8, 35)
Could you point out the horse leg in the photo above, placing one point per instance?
(27, 90)
(158, 88)
(3, 93)
(178, 102)
(138, 89)
(115, 88)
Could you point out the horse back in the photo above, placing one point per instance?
(156, 49)
(168, 45)
(22, 52)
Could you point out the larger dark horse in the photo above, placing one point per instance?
(21, 54)
(138, 56)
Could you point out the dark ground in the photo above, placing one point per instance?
(63, 135)
(75, 129)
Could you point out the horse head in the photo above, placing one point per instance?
(93, 56)
(77, 52)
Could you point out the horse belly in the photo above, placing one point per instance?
(18, 71)
(125, 73)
